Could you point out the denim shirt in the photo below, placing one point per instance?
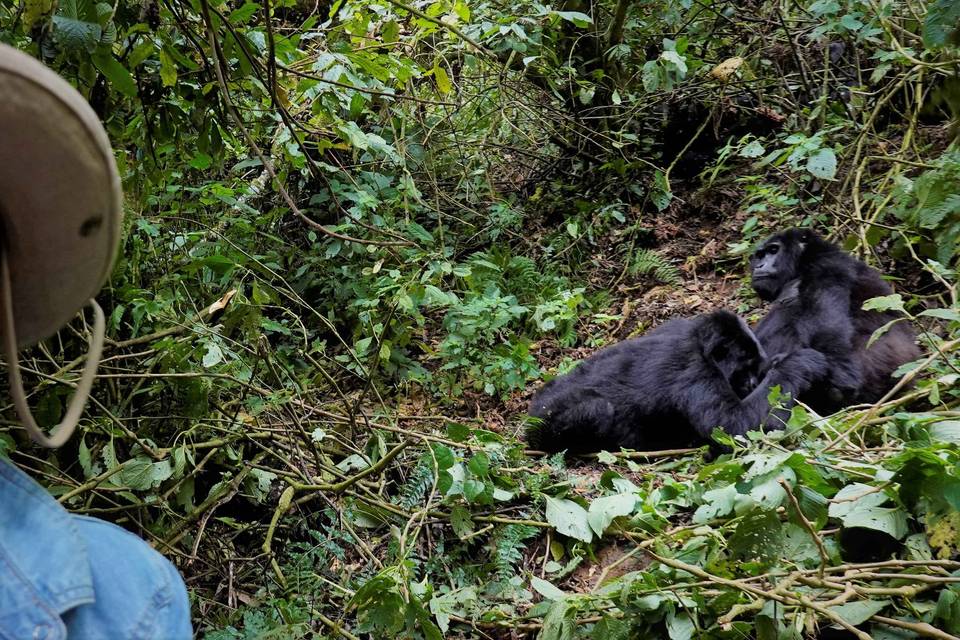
(61, 573)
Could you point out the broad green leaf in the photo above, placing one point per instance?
(244, 13)
(569, 518)
(603, 510)
(213, 355)
(716, 503)
(892, 521)
(680, 626)
(168, 68)
(860, 611)
(443, 80)
(758, 537)
(946, 431)
(75, 34)
(860, 505)
(944, 314)
(473, 489)
(752, 150)
(892, 302)
(546, 589)
(854, 496)
(581, 20)
(675, 60)
(823, 164)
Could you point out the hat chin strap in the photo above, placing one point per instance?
(62, 432)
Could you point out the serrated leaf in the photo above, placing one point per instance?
(141, 473)
(650, 75)
(605, 457)
(892, 302)
(83, 455)
(473, 489)
(461, 521)
(569, 518)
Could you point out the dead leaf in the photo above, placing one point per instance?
(725, 69)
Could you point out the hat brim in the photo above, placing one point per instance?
(60, 197)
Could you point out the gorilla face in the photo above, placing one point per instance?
(775, 263)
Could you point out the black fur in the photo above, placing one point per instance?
(669, 388)
(818, 291)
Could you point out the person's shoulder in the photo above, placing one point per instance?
(40, 542)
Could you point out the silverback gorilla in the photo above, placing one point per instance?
(818, 292)
(669, 388)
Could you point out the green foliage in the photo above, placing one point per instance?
(929, 206)
(941, 24)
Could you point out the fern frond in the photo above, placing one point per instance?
(508, 545)
(648, 261)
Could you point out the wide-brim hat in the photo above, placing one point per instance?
(60, 199)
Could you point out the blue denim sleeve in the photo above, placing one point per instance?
(63, 575)
(139, 594)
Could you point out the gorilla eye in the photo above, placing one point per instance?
(773, 249)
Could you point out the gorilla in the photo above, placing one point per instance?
(669, 388)
(818, 291)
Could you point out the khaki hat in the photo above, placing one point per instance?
(60, 200)
(60, 214)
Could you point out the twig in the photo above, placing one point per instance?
(824, 557)
(921, 628)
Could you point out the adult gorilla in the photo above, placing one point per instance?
(669, 388)
(818, 292)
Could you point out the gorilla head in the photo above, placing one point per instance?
(728, 344)
(776, 263)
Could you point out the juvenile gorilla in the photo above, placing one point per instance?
(818, 292)
(669, 388)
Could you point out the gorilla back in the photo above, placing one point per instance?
(669, 388)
